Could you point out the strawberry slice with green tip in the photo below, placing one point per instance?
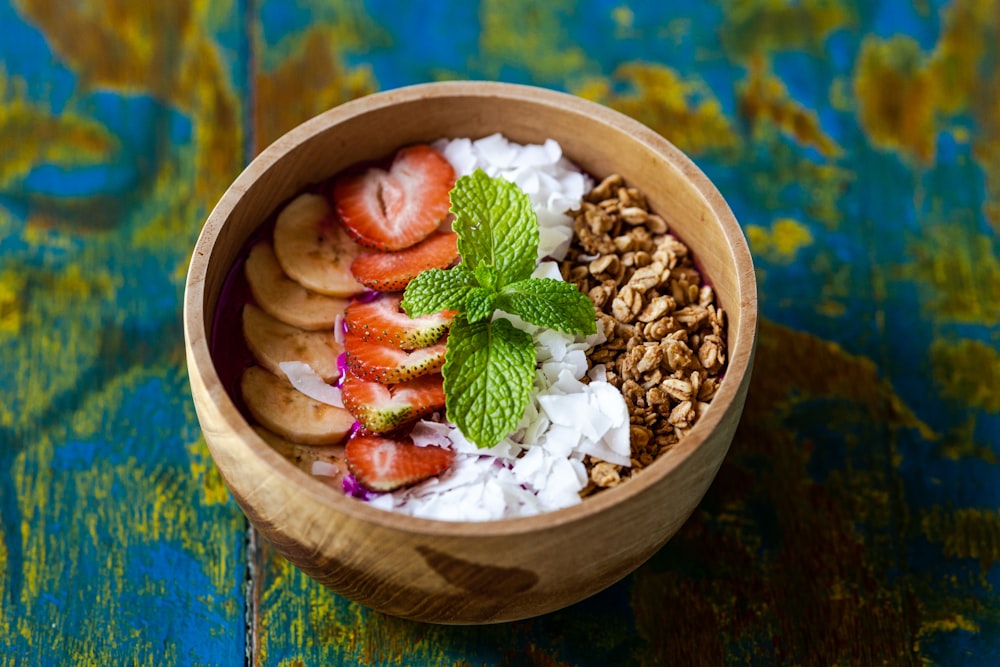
(384, 464)
(382, 321)
(381, 408)
(385, 363)
(393, 271)
(398, 208)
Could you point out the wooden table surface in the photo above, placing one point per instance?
(855, 521)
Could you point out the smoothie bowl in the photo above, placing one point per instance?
(469, 352)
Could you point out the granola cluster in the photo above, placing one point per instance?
(666, 346)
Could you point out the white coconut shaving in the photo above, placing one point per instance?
(553, 183)
(539, 467)
(323, 468)
(306, 380)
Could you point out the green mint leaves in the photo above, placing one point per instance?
(488, 373)
(490, 365)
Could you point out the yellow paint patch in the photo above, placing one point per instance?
(897, 97)
(960, 443)
(964, 533)
(32, 135)
(12, 285)
(159, 49)
(531, 35)
(624, 20)
(763, 98)
(537, 41)
(766, 26)
(960, 47)
(967, 371)
(949, 624)
(331, 83)
(206, 476)
(684, 111)
(962, 270)
(781, 242)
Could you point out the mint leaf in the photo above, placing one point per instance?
(488, 373)
(435, 290)
(489, 367)
(487, 276)
(496, 226)
(480, 304)
(549, 303)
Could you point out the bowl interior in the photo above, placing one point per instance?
(597, 139)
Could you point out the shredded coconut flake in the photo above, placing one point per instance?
(306, 380)
(324, 468)
(553, 183)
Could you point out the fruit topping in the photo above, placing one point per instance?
(381, 408)
(393, 271)
(382, 362)
(384, 464)
(271, 342)
(398, 208)
(313, 248)
(382, 321)
(285, 299)
(282, 409)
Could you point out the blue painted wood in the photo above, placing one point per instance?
(856, 518)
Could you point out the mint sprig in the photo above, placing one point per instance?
(490, 365)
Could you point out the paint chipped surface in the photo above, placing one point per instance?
(854, 521)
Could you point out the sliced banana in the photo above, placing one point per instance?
(331, 465)
(279, 407)
(285, 299)
(313, 248)
(272, 341)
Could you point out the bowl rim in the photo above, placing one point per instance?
(197, 332)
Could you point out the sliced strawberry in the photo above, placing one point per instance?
(395, 209)
(384, 464)
(382, 408)
(382, 321)
(393, 271)
(382, 362)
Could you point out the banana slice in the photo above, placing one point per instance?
(285, 299)
(331, 463)
(279, 407)
(272, 341)
(313, 248)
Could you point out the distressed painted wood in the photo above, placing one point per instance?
(855, 518)
(118, 543)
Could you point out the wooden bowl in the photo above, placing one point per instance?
(468, 572)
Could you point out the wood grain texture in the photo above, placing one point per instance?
(854, 520)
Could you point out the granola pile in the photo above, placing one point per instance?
(666, 346)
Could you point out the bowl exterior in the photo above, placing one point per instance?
(463, 572)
